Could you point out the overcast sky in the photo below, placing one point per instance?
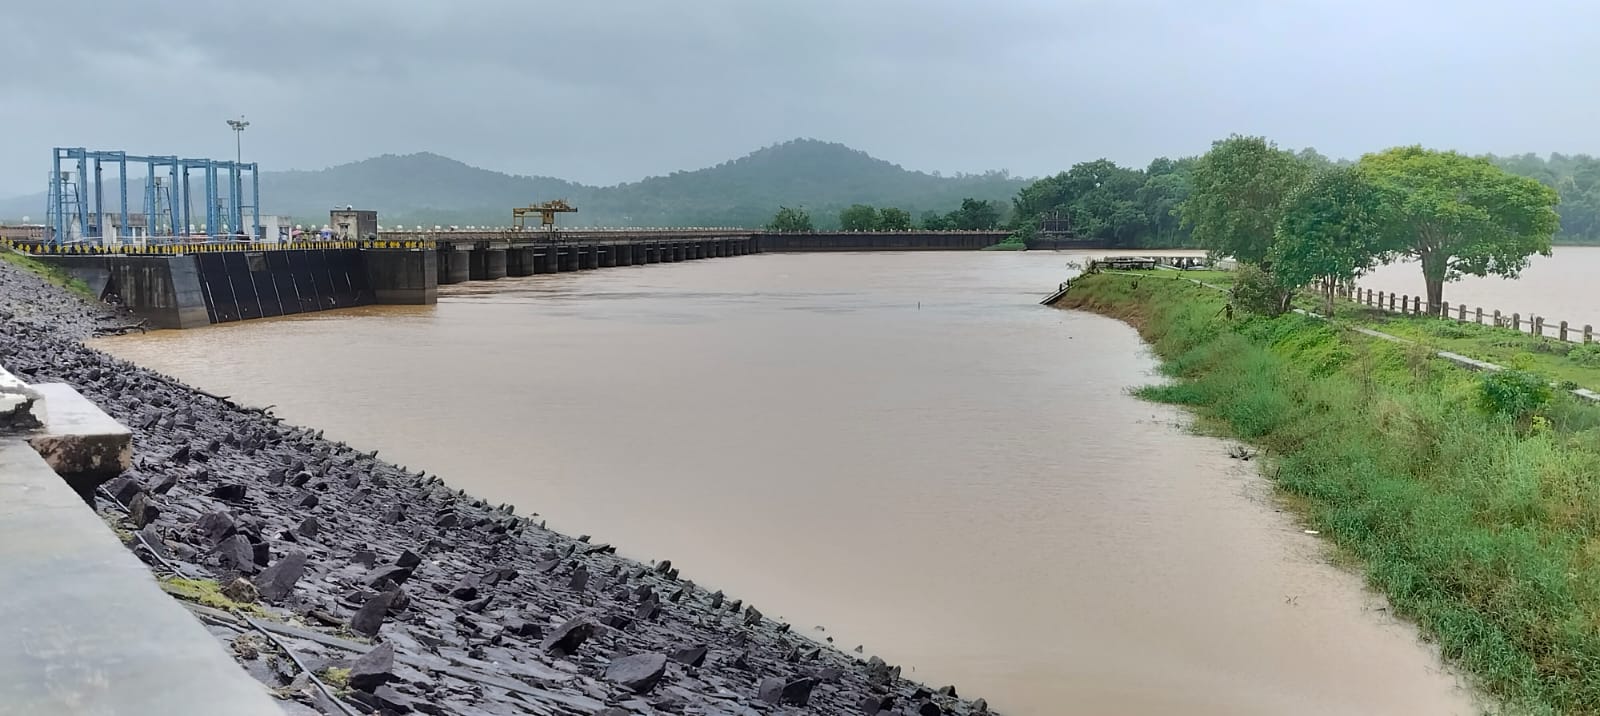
(603, 92)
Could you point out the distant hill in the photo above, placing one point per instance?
(429, 189)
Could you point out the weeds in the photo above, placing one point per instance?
(49, 273)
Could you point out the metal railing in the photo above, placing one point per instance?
(178, 249)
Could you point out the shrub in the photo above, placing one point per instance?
(1586, 355)
(1516, 394)
(1257, 291)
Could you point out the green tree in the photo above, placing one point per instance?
(1237, 196)
(935, 221)
(859, 217)
(1159, 198)
(1330, 232)
(894, 219)
(975, 215)
(790, 219)
(1460, 215)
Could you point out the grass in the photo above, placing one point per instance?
(1486, 534)
(1006, 246)
(1559, 360)
(337, 677)
(49, 273)
(208, 593)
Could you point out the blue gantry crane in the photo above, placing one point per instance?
(76, 211)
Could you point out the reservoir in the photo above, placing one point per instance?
(1559, 287)
(900, 447)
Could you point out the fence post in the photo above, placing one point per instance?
(1444, 309)
(1461, 313)
(1497, 318)
(1563, 331)
(1516, 322)
(1479, 314)
(1538, 326)
(1588, 334)
(1416, 305)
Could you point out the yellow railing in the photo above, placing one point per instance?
(210, 247)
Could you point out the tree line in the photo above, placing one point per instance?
(972, 215)
(1295, 222)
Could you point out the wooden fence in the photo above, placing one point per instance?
(1415, 306)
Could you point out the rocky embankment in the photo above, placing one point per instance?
(350, 585)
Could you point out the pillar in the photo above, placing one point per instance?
(402, 276)
(520, 261)
(487, 264)
(454, 266)
(591, 256)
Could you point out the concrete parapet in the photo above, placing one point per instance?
(79, 441)
(86, 628)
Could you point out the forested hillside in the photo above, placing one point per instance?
(429, 189)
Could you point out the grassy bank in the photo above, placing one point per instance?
(49, 273)
(1484, 532)
(1561, 361)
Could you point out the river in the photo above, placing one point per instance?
(1559, 287)
(902, 447)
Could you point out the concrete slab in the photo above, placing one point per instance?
(86, 630)
(79, 441)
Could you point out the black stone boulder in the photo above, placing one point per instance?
(394, 573)
(637, 673)
(214, 527)
(229, 492)
(780, 691)
(237, 554)
(691, 656)
(369, 618)
(564, 640)
(373, 669)
(143, 510)
(277, 582)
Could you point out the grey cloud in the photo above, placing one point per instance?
(613, 91)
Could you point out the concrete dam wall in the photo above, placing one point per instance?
(190, 290)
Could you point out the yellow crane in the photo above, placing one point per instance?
(546, 211)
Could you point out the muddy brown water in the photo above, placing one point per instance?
(904, 448)
(1564, 286)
